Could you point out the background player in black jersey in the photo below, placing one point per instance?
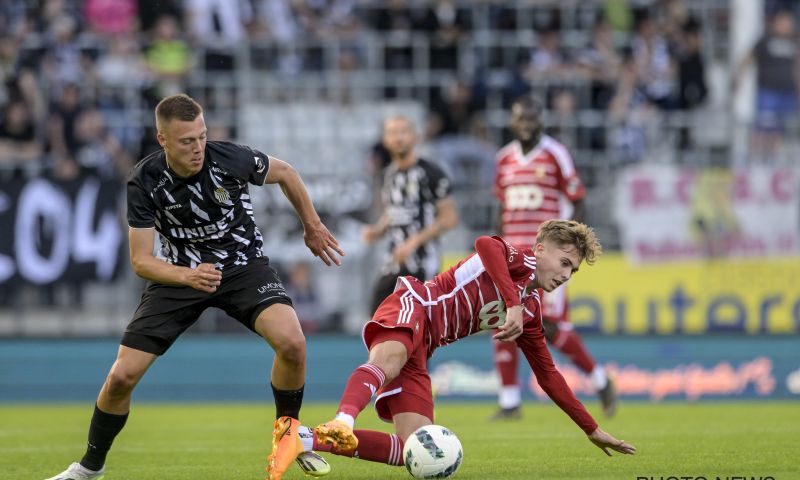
(417, 209)
(194, 194)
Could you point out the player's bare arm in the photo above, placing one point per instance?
(446, 219)
(605, 441)
(205, 277)
(318, 239)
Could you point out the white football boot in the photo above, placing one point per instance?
(76, 471)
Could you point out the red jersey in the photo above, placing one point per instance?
(535, 187)
(473, 295)
(464, 299)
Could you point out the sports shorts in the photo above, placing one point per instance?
(400, 317)
(166, 311)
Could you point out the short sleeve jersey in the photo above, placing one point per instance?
(535, 187)
(410, 198)
(206, 218)
(464, 300)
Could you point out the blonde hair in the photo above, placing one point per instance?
(570, 232)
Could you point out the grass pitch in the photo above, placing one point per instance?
(231, 441)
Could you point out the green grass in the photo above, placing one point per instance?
(231, 441)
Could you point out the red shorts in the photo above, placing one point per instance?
(555, 308)
(399, 317)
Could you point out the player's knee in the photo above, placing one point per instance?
(120, 382)
(292, 350)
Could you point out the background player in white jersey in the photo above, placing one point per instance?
(417, 209)
(496, 289)
(535, 181)
(194, 193)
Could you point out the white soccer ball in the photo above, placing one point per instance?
(432, 451)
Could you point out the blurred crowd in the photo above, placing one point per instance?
(78, 77)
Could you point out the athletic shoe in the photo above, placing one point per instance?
(608, 398)
(513, 413)
(286, 446)
(76, 471)
(337, 434)
(313, 464)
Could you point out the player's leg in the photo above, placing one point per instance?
(387, 356)
(163, 314)
(110, 413)
(279, 326)
(561, 335)
(397, 330)
(506, 361)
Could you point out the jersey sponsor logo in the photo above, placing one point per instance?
(492, 315)
(221, 195)
(269, 287)
(523, 197)
(200, 231)
(173, 207)
(260, 166)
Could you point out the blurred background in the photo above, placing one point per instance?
(681, 117)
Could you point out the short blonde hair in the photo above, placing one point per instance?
(570, 232)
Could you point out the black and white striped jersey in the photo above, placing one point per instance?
(206, 218)
(410, 197)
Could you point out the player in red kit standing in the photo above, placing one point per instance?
(536, 181)
(496, 288)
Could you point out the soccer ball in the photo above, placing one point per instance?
(432, 451)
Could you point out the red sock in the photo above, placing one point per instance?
(362, 385)
(506, 360)
(569, 343)
(373, 446)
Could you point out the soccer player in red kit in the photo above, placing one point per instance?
(495, 288)
(536, 181)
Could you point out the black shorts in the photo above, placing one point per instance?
(166, 311)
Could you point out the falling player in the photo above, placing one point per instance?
(536, 181)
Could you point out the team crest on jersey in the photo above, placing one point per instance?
(221, 195)
(540, 172)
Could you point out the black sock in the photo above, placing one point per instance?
(287, 402)
(103, 429)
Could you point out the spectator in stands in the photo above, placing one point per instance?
(600, 62)
(19, 145)
(62, 140)
(654, 63)
(305, 299)
(109, 18)
(692, 89)
(63, 62)
(218, 26)
(98, 152)
(547, 59)
(168, 57)
(777, 59)
(629, 113)
(446, 23)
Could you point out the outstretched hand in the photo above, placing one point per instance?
(323, 244)
(604, 441)
(512, 328)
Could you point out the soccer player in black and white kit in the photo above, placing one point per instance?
(417, 210)
(194, 194)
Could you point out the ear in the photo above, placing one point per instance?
(538, 248)
(161, 140)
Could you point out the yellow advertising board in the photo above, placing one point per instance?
(690, 297)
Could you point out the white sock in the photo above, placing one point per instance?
(346, 419)
(510, 397)
(599, 378)
(306, 438)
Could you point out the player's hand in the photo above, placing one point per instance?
(604, 441)
(403, 251)
(205, 277)
(370, 234)
(512, 328)
(323, 244)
